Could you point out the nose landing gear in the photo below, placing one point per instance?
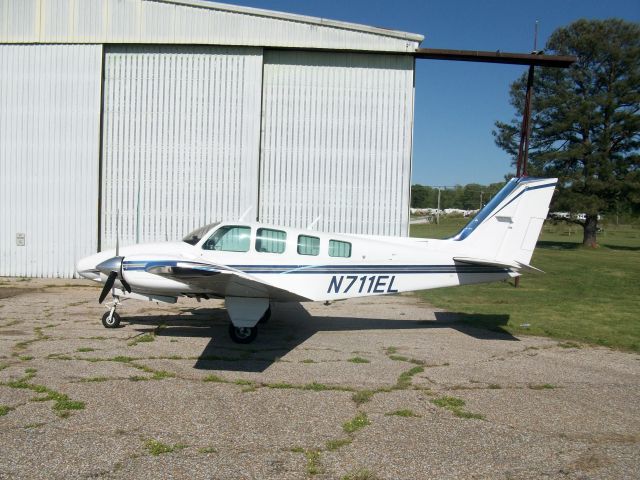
(111, 319)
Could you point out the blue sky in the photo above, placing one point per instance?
(457, 103)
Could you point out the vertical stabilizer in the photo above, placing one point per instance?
(507, 228)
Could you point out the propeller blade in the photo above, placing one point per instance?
(107, 286)
(124, 283)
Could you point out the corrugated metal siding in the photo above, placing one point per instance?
(336, 141)
(158, 21)
(49, 136)
(181, 138)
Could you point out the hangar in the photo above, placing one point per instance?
(169, 114)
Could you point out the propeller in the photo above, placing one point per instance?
(113, 267)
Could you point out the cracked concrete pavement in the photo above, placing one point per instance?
(435, 397)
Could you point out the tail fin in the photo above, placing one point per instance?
(507, 228)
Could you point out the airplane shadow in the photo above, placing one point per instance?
(290, 326)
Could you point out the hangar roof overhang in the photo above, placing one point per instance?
(187, 22)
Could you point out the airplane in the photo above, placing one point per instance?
(251, 265)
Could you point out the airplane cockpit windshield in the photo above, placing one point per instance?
(194, 237)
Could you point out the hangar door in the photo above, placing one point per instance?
(49, 131)
(181, 131)
(336, 141)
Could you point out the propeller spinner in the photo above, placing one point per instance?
(113, 269)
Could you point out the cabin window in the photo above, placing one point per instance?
(308, 245)
(270, 241)
(230, 238)
(339, 249)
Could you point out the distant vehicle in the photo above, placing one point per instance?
(250, 265)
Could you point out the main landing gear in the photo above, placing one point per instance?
(247, 334)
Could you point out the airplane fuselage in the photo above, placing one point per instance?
(374, 266)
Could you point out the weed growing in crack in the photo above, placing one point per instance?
(454, 405)
(402, 413)
(333, 445)
(362, 396)
(356, 423)
(146, 338)
(358, 360)
(360, 474)
(154, 447)
(404, 380)
(313, 462)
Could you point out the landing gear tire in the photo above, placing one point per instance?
(111, 320)
(266, 316)
(243, 334)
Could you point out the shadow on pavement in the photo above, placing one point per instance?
(290, 326)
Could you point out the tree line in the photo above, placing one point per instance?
(465, 197)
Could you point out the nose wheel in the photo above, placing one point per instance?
(111, 319)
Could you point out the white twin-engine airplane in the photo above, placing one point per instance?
(250, 265)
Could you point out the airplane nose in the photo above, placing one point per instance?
(86, 267)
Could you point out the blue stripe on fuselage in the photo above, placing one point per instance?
(321, 269)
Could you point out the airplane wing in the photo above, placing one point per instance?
(494, 263)
(220, 280)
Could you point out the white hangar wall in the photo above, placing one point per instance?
(49, 145)
(174, 113)
(336, 142)
(181, 133)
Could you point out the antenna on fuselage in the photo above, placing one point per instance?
(117, 233)
(313, 224)
(246, 212)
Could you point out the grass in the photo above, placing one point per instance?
(360, 474)
(146, 338)
(162, 374)
(587, 295)
(214, 378)
(317, 387)
(543, 386)
(362, 396)
(356, 423)
(399, 358)
(62, 403)
(282, 385)
(313, 462)
(333, 445)
(454, 405)
(358, 360)
(4, 409)
(404, 380)
(154, 447)
(95, 379)
(207, 450)
(402, 413)
(85, 349)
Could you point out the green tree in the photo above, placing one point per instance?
(585, 120)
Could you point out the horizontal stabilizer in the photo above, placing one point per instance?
(496, 263)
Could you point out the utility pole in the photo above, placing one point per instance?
(438, 210)
(481, 193)
(525, 132)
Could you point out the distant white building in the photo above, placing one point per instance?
(176, 113)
